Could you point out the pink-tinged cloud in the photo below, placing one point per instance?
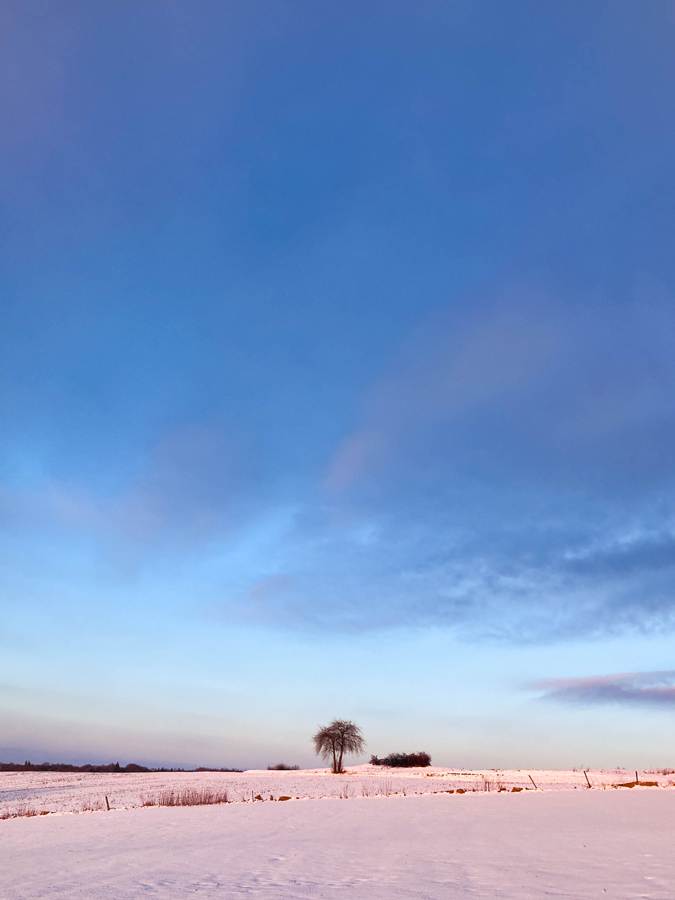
(644, 688)
(444, 373)
(524, 387)
(268, 587)
(353, 457)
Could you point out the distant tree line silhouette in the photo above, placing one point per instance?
(111, 767)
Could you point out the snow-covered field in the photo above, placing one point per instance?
(614, 844)
(57, 792)
(29, 793)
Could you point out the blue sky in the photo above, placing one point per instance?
(337, 378)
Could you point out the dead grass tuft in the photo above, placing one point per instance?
(90, 805)
(21, 812)
(187, 798)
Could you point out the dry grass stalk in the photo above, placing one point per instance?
(187, 798)
(21, 812)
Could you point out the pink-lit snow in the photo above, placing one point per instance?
(559, 842)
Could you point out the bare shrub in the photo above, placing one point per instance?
(282, 767)
(403, 760)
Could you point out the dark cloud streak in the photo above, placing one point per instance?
(632, 688)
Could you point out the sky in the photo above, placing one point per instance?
(337, 379)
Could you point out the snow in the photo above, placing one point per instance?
(79, 791)
(614, 844)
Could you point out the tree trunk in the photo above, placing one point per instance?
(340, 761)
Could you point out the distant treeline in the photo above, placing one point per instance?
(402, 760)
(111, 767)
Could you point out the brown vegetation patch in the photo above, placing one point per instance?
(632, 784)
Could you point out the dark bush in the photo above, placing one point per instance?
(282, 767)
(403, 760)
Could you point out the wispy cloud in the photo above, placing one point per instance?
(638, 554)
(526, 385)
(449, 369)
(643, 688)
(511, 475)
(192, 479)
(522, 456)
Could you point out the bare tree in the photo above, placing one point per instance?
(336, 739)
